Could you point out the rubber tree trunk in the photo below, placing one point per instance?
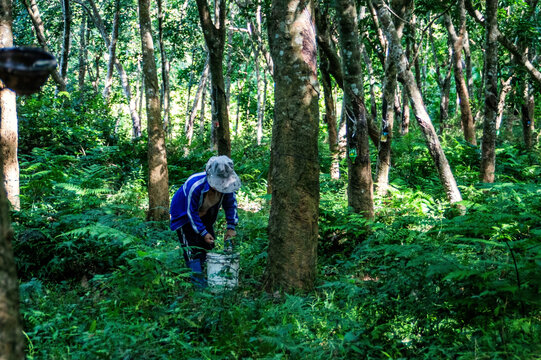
(215, 39)
(158, 184)
(98, 22)
(11, 338)
(360, 185)
(35, 16)
(112, 52)
(488, 147)
(388, 114)
(83, 54)
(330, 116)
(188, 129)
(527, 115)
(9, 134)
(294, 168)
(165, 64)
(66, 39)
(461, 85)
(505, 89)
(519, 56)
(423, 119)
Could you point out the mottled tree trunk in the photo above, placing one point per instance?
(519, 56)
(330, 115)
(158, 184)
(188, 129)
(388, 113)
(165, 64)
(136, 120)
(66, 39)
(423, 119)
(405, 124)
(488, 153)
(293, 221)
(35, 16)
(11, 338)
(215, 39)
(527, 115)
(461, 85)
(360, 185)
(505, 89)
(112, 52)
(83, 54)
(9, 133)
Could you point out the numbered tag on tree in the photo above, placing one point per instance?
(353, 154)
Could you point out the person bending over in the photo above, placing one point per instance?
(194, 210)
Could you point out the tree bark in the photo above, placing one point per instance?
(158, 184)
(330, 115)
(442, 165)
(83, 54)
(360, 190)
(293, 221)
(527, 108)
(461, 85)
(33, 11)
(66, 39)
(215, 39)
(166, 88)
(112, 52)
(188, 129)
(519, 56)
(9, 133)
(405, 124)
(11, 339)
(98, 22)
(505, 89)
(488, 147)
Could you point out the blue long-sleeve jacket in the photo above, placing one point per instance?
(189, 198)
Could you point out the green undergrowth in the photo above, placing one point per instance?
(418, 282)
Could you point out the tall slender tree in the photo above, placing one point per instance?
(294, 168)
(423, 119)
(214, 33)
(158, 184)
(461, 84)
(488, 152)
(360, 189)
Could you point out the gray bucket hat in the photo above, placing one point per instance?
(221, 176)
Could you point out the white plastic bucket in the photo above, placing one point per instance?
(222, 271)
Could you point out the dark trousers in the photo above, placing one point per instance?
(193, 245)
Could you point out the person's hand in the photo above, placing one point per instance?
(230, 234)
(209, 239)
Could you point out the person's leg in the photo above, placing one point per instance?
(194, 253)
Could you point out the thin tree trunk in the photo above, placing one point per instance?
(158, 184)
(165, 89)
(443, 79)
(112, 52)
(66, 39)
(83, 54)
(519, 56)
(461, 85)
(405, 123)
(468, 62)
(442, 165)
(215, 39)
(11, 339)
(188, 129)
(505, 88)
(527, 111)
(330, 115)
(488, 147)
(98, 22)
(294, 168)
(360, 191)
(202, 112)
(33, 11)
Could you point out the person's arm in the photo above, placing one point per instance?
(193, 198)
(231, 216)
